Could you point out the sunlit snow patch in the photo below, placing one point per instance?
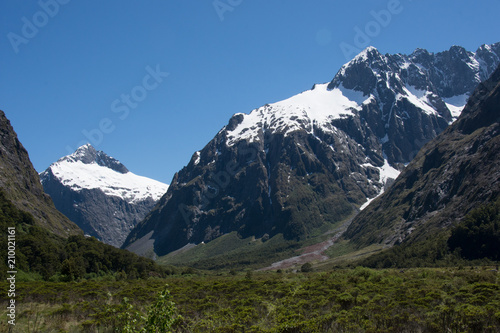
(386, 172)
(456, 104)
(312, 107)
(129, 186)
(419, 98)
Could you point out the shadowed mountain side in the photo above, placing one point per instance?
(451, 175)
(21, 184)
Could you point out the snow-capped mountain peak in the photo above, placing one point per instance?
(87, 154)
(370, 53)
(100, 194)
(315, 107)
(88, 168)
(435, 83)
(387, 92)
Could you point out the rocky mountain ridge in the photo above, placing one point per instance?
(451, 175)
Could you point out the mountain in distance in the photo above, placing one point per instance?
(450, 176)
(48, 245)
(100, 194)
(309, 163)
(21, 186)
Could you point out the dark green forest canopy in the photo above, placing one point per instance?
(45, 255)
(475, 240)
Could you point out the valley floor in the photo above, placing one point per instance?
(343, 300)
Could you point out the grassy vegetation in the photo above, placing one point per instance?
(231, 252)
(345, 254)
(347, 300)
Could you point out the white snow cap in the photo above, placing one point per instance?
(317, 106)
(73, 172)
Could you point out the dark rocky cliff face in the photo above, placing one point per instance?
(105, 210)
(314, 159)
(21, 183)
(451, 175)
(107, 218)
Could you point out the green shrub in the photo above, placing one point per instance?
(306, 268)
(478, 236)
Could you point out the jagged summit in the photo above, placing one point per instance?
(87, 154)
(419, 52)
(360, 74)
(448, 74)
(370, 54)
(389, 84)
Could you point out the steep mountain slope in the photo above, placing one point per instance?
(312, 160)
(451, 175)
(21, 184)
(100, 194)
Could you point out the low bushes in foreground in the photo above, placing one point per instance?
(350, 300)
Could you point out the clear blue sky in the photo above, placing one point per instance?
(67, 67)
